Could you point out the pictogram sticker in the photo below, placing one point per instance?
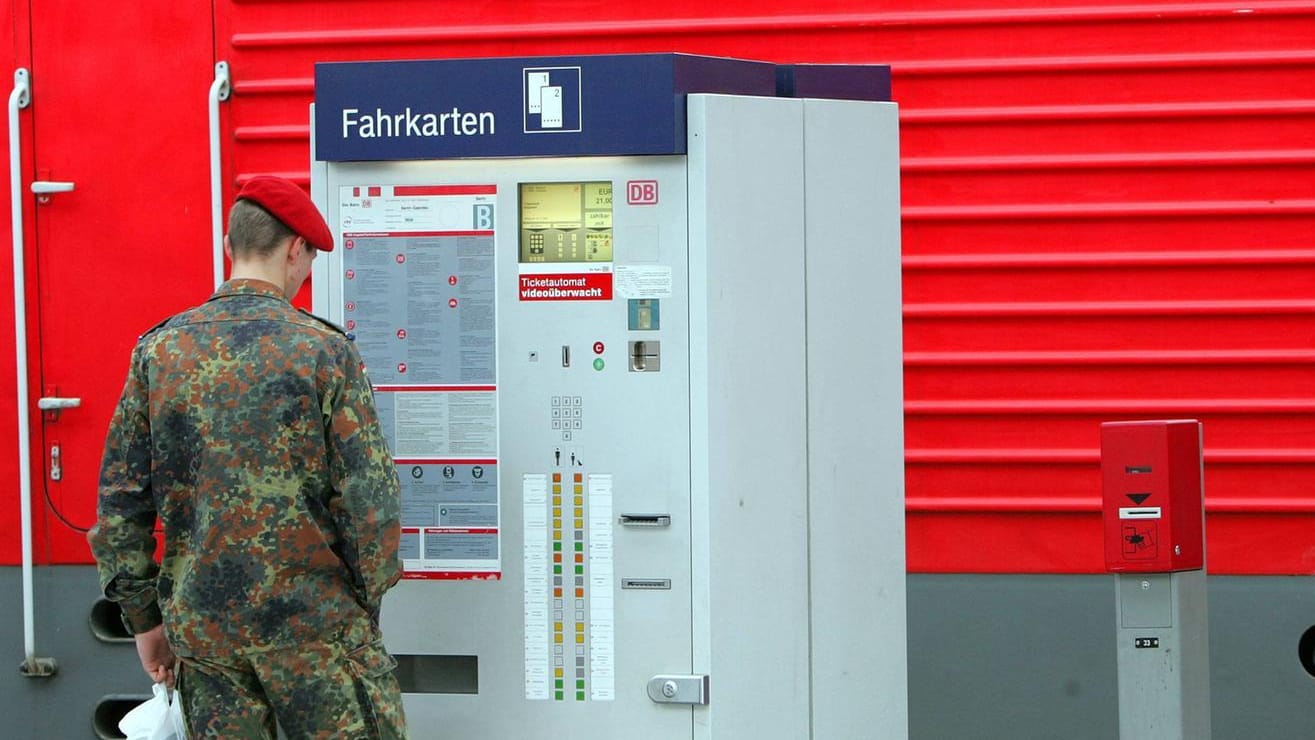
(1139, 541)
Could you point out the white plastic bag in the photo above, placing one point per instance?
(157, 718)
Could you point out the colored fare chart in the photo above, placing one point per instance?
(570, 625)
(419, 301)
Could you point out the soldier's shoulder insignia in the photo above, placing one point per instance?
(322, 321)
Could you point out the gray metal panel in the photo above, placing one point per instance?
(61, 706)
(1145, 600)
(748, 415)
(1022, 657)
(1015, 657)
(855, 420)
(1032, 657)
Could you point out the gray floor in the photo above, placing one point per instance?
(1010, 657)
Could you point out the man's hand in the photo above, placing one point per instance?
(157, 657)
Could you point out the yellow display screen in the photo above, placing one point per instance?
(566, 222)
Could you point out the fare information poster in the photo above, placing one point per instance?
(419, 301)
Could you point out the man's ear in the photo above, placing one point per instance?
(295, 248)
(228, 248)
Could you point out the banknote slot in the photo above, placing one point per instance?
(646, 520)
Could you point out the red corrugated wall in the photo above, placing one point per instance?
(1107, 215)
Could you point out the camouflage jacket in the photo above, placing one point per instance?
(249, 428)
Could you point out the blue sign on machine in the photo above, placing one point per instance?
(534, 106)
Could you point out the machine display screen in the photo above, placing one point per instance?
(565, 222)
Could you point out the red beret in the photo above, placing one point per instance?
(289, 203)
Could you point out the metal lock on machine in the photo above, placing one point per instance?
(678, 689)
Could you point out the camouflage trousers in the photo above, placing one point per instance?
(340, 688)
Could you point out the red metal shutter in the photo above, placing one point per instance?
(1107, 215)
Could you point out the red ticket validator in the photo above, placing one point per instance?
(1153, 500)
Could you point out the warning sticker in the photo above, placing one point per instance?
(578, 287)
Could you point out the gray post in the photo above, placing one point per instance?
(1164, 656)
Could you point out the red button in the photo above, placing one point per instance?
(598, 348)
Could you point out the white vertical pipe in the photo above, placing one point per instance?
(219, 91)
(19, 99)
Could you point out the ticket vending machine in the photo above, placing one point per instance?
(633, 324)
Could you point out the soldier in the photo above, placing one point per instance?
(248, 427)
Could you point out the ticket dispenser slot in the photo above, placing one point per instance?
(1154, 543)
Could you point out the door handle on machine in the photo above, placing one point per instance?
(54, 403)
(678, 689)
(43, 187)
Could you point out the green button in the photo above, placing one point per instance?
(580, 684)
(579, 570)
(579, 696)
(598, 363)
(559, 683)
(561, 696)
(557, 570)
(579, 547)
(557, 546)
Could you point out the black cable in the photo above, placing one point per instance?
(50, 504)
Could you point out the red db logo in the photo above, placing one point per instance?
(642, 192)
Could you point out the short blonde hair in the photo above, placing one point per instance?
(253, 232)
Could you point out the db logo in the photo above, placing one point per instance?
(642, 192)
